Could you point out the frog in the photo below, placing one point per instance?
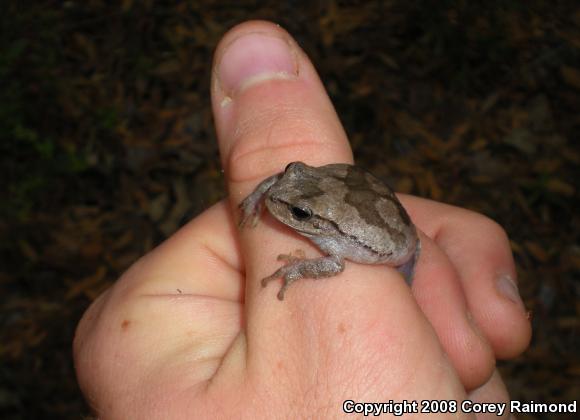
(347, 212)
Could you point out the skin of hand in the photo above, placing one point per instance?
(188, 332)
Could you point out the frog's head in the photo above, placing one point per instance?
(295, 200)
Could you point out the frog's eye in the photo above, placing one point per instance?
(300, 214)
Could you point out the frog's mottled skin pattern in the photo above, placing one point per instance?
(350, 214)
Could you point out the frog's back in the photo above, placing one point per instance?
(374, 226)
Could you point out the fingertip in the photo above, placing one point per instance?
(479, 250)
(504, 318)
(269, 104)
(438, 292)
(252, 52)
(493, 393)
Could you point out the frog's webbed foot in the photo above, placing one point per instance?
(298, 268)
(408, 269)
(251, 206)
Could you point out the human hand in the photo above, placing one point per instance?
(189, 332)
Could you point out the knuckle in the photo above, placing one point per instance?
(493, 228)
(263, 144)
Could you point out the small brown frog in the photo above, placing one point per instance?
(347, 212)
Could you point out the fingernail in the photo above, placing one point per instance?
(507, 287)
(253, 58)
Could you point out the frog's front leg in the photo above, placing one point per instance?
(252, 205)
(299, 268)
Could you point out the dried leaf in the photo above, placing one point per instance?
(560, 187)
(27, 250)
(168, 68)
(537, 251)
(571, 76)
(86, 284)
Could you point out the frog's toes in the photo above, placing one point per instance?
(250, 210)
(268, 279)
(248, 218)
(287, 258)
(289, 273)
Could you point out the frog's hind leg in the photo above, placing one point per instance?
(298, 268)
(408, 269)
